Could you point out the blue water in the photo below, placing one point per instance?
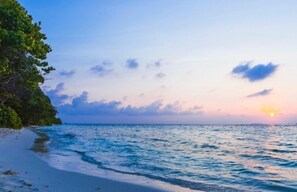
(198, 157)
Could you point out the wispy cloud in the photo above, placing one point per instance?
(160, 75)
(107, 63)
(197, 107)
(255, 73)
(101, 70)
(67, 73)
(261, 93)
(156, 64)
(132, 64)
(141, 95)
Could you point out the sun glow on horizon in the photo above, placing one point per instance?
(270, 111)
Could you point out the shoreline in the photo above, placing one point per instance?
(22, 170)
(75, 164)
(6, 131)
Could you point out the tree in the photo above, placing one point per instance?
(9, 118)
(23, 65)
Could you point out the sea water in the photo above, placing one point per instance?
(197, 157)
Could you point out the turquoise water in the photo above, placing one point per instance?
(198, 157)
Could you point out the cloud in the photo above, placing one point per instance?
(132, 64)
(241, 69)
(80, 106)
(160, 75)
(255, 73)
(101, 70)
(198, 107)
(125, 98)
(107, 63)
(156, 64)
(67, 73)
(56, 95)
(261, 93)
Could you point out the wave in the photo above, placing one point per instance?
(210, 158)
(174, 181)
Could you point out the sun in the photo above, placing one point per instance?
(270, 111)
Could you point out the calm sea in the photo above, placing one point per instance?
(197, 157)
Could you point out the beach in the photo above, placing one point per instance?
(22, 170)
(148, 158)
(148, 96)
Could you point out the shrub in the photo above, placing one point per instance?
(9, 118)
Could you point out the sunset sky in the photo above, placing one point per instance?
(171, 61)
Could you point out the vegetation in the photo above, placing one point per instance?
(23, 67)
(9, 118)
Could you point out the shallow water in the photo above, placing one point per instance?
(199, 157)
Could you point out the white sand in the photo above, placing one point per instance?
(4, 132)
(33, 174)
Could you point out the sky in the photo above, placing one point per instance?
(171, 61)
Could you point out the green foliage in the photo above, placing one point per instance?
(34, 107)
(23, 65)
(23, 49)
(9, 118)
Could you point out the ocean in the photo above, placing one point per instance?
(193, 157)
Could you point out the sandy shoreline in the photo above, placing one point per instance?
(4, 132)
(22, 170)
